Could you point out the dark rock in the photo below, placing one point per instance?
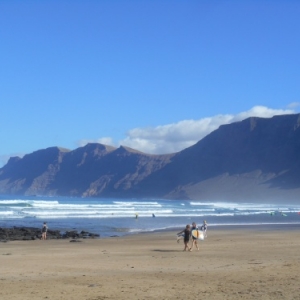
(27, 234)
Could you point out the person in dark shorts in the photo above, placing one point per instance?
(194, 240)
(44, 231)
(186, 238)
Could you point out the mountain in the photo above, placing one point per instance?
(257, 160)
(93, 170)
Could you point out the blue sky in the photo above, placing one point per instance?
(153, 75)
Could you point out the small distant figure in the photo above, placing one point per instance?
(136, 216)
(44, 231)
(204, 228)
(186, 237)
(153, 215)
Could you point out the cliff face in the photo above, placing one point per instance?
(251, 160)
(255, 159)
(93, 170)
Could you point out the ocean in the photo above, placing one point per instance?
(118, 217)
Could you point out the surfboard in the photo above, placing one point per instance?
(198, 234)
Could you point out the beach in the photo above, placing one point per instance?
(232, 263)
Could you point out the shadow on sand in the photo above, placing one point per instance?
(161, 250)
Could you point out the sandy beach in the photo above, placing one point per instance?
(244, 263)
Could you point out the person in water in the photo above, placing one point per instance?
(44, 231)
(186, 237)
(194, 240)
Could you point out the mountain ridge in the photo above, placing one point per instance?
(253, 159)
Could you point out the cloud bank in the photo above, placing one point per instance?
(175, 137)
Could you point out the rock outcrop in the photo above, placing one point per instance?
(30, 233)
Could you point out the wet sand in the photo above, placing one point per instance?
(232, 263)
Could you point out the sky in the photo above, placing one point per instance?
(153, 75)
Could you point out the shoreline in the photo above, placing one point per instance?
(229, 227)
(73, 234)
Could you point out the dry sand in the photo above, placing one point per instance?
(231, 264)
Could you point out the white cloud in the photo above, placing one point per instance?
(178, 136)
(261, 111)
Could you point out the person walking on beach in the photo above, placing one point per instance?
(204, 228)
(44, 231)
(186, 238)
(194, 240)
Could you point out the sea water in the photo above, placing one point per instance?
(111, 217)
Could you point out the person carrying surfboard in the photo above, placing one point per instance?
(204, 228)
(186, 237)
(194, 239)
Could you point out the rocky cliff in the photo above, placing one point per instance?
(255, 159)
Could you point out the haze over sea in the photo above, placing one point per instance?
(109, 217)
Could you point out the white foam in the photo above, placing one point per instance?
(99, 208)
(6, 213)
